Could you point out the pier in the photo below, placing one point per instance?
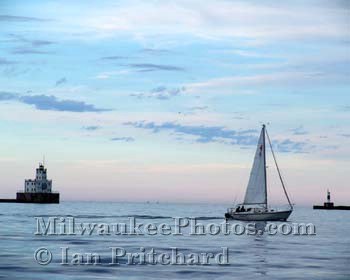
(329, 205)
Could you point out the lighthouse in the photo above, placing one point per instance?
(38, 190)
(328, 204)
(40, 184)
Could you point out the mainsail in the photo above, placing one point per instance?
(256, 189)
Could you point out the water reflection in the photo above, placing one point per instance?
(260, 249)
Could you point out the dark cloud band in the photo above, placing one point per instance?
(219, 134)
(50, 102)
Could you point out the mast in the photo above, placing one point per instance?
(265, 176)
(279, 173)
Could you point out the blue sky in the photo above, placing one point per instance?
(164, 100)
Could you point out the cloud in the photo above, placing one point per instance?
(123, 139)
(198, 108)
(39, 43)
(220, 134)
(61, 81)
(34, 43)
(149, 67)
(299, 131)
(161, 92)
(11, 18)
(4, 96)
(204, 134)
(115, 57)
(345, 108)
(91, 127)
(155, 51)
(247, 84)
(28, 46)
(192, 110)
(29, 51)
(111, 74)
(149, 51)
(4, 61)
(288, 145)
(347, 135)
(258, 20)
(49, 102)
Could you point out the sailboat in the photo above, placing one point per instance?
(255, 205)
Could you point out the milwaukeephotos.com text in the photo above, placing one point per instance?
(179, 226)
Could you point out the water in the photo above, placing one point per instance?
(325, 255)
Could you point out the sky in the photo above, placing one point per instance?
(164, 100)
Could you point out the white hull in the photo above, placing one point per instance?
(264, 216)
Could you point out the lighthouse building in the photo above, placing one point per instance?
(40, 184)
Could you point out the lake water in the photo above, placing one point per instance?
(325, 255)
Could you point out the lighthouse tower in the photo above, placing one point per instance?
(329, 203)
(40, 184)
